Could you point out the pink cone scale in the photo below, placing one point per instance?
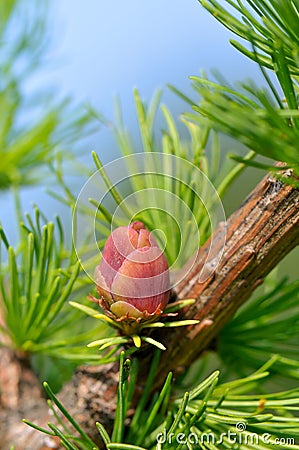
(133, 276)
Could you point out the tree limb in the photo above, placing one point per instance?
(259, 234)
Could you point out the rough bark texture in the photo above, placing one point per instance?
(258, 235)
(21, 396)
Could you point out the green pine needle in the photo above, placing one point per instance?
(36, 280)
(265, 122)
(211, 409)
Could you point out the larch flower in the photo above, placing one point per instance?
(133, 277)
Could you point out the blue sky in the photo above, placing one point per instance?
(105, 48)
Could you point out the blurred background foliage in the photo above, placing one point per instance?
(40, 130)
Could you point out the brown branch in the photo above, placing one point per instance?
(259, 234)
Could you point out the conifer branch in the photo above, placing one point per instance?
(259, 234)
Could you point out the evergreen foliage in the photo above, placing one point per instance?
(257, 351)
(264, 119)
